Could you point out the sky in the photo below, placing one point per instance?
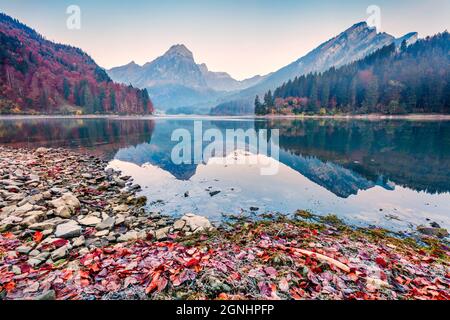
(241, 37)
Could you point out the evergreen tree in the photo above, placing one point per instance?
(66, 89)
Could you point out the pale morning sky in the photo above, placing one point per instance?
(243, 38)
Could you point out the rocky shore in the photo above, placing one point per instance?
(72, 229)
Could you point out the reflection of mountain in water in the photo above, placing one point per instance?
(408, 153)
(157, 155)
(342, 182)
(335, 178)
(342, 156)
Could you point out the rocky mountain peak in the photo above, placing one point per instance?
(179, 50)
(358, 27)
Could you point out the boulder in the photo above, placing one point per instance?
(66, 205)
(195, 223)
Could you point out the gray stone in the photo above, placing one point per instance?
(46, 295)
(46, 225)
(68, 230)
(129, 236)
(119, 220)
(179, 224)
(60, 253)
(33, 217)
(24, 249)
(121, 208)
(161, 234)
(90, 221)
(108, 223)
(43, 256)
(34, 262)
(34, 253)
(194, 222)
(16, 270)
(23, 209)
(78, 242)
(66, 204)
(102, 233)
(63, 212)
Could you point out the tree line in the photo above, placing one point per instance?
(393, 80)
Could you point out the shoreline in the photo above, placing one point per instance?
(372, 117)
(72, 229)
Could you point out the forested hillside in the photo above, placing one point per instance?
(410, 79)
(38, 76)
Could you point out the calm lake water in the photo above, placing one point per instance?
(394, 174)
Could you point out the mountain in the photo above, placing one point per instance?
(222, 81)
(392, 80)
(353, 44)
(177, 83)
(38, 76)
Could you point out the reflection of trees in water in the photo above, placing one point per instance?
(409, 153)
(354, 155)
(102, 137)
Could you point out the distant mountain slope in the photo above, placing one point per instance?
(39, 76)
(353, 44)
(392, 80)
(176, 81)
(222, 81)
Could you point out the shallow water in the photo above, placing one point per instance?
(391, 173)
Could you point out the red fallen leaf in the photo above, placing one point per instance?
(84, 282)
(67, 274)
(223, 296)
(193, 262)
(198, 268)
(381, 262)
(10, 286)
(353, 276)
(94, 267)
(399, 280)
(25, 268)
(297, 293)
(235, 276)
(59, 243)
(37, 237)
(153, 284)
(8, 235)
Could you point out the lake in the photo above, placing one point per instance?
(389, 173)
